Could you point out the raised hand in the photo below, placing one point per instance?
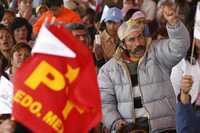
(186, 85)
(119, 124)
(168, 11)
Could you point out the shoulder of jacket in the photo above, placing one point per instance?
(111, 65)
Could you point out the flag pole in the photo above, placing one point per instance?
(192, 52)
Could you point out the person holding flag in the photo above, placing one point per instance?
(190, 65)
(58, 12)
(186, 119)
(51, 87)
(188, 105)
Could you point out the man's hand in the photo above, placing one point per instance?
(186, 85)
(119, 124)
(169, 13)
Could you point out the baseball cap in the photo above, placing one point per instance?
(113, 14)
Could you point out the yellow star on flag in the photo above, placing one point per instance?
(72, 73)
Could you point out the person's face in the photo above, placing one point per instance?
(42, 10)
(7, 19)
(81, 35)
(135, 44)
(25, 9)
(6, 41)
(55, 10)
(112, 27)
(127, 3)
(19, 56)
(86, 21)
(20, 34)
(24, 5)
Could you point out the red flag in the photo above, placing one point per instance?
(55, 90)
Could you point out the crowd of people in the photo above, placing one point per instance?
(147, 60)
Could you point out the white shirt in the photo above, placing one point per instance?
(184, 67)
(6, 94)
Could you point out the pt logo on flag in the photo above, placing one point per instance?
(44, 69)
(54, 93)
(40, 76)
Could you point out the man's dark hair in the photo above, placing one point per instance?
(129, 14)
(19, 22)
(53, 3)
(90, 13)
(77, 26)
(1, 12)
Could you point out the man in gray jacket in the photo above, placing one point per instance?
(135, 84)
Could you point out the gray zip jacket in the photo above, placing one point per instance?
(154, 82)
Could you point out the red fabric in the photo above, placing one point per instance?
(83, 91)
(65, 16)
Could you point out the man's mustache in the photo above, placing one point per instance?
(138, 49)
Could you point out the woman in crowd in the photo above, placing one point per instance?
(18, 54)
(21, 30)
(6, 41)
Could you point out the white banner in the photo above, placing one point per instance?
(197, 22)
(6, 94)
